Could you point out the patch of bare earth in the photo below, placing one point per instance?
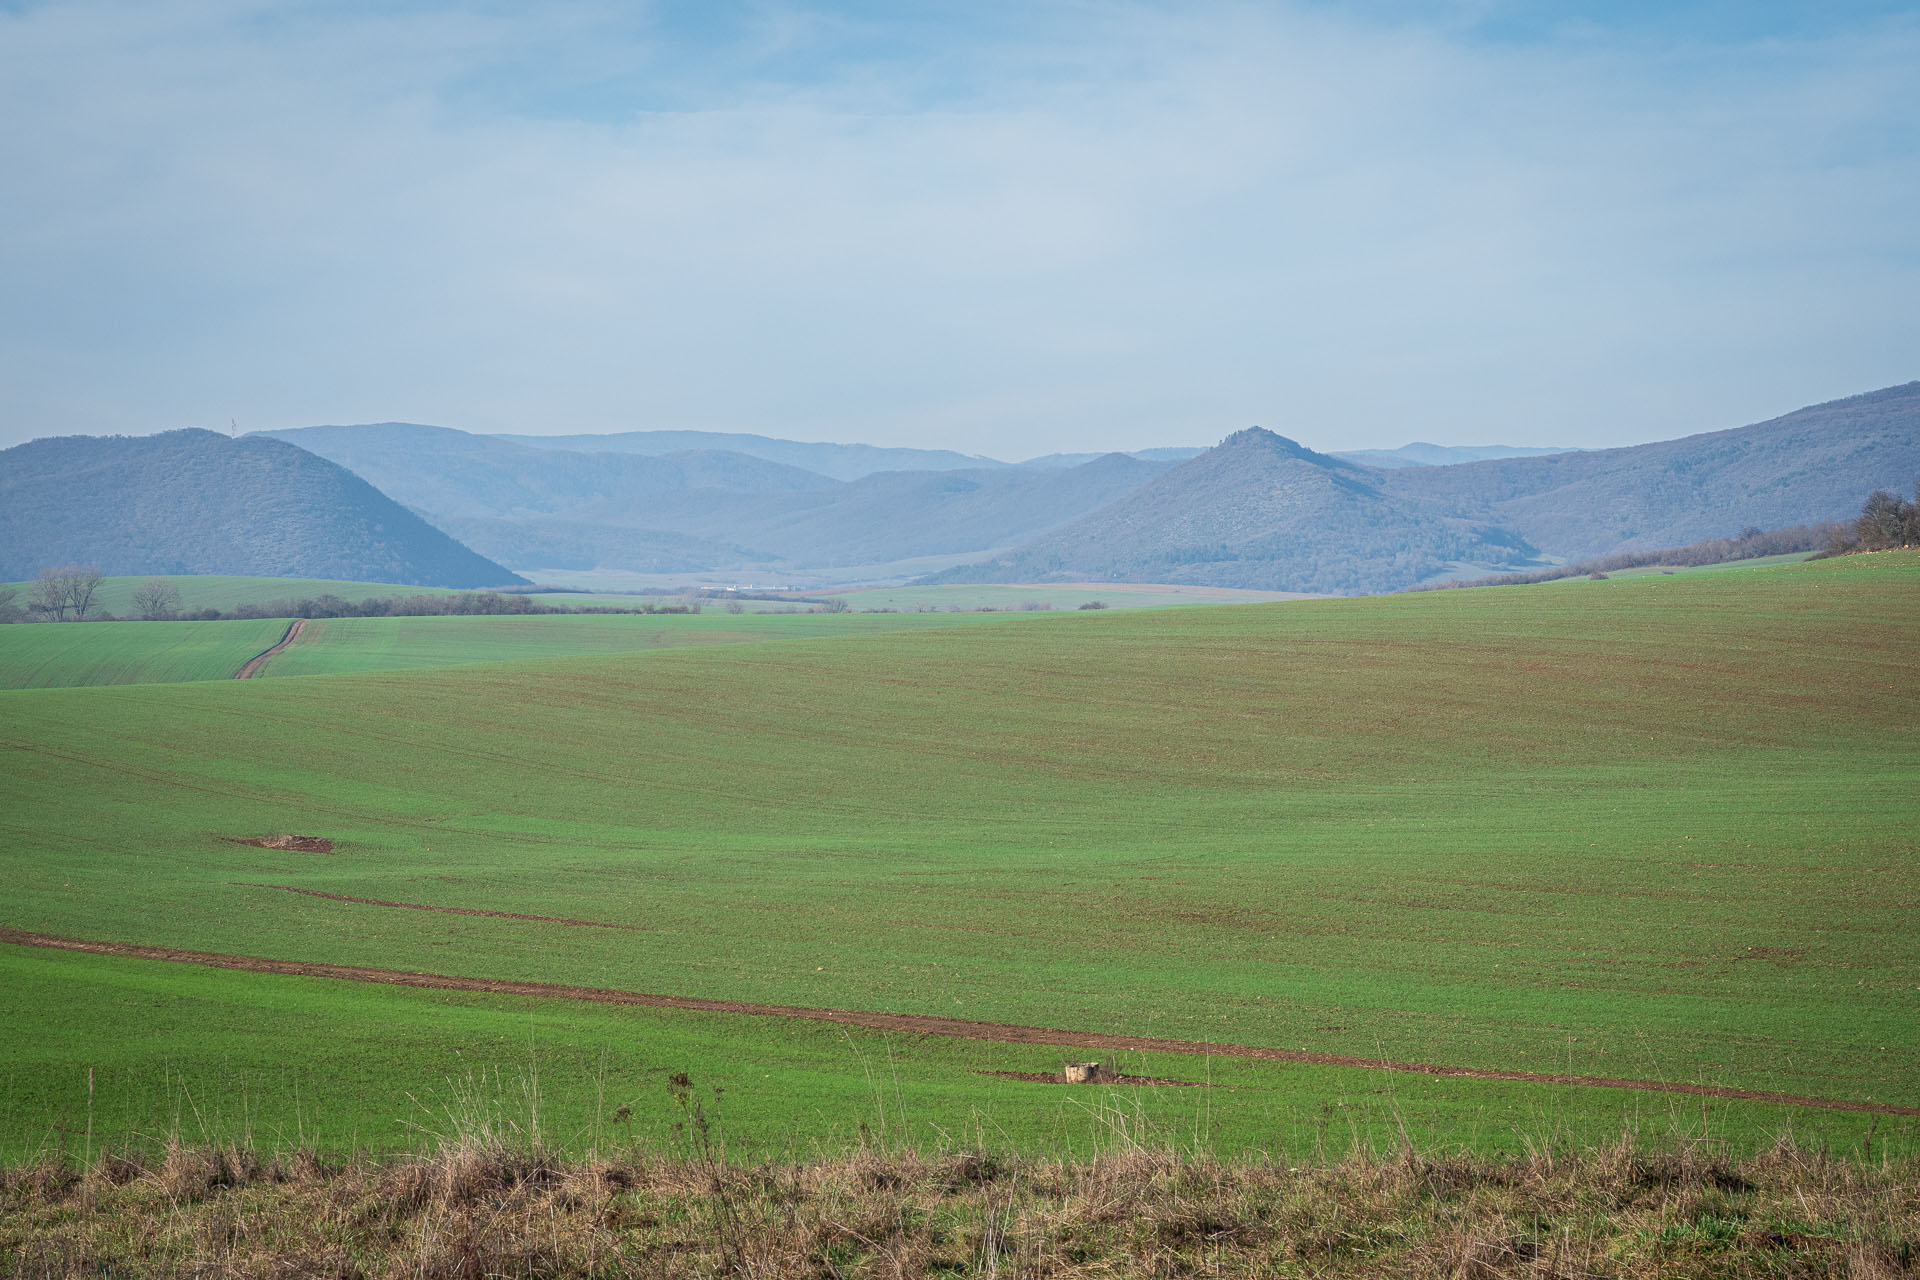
(1118, 1078)
(286, 844)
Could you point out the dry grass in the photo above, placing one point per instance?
(485, 1209)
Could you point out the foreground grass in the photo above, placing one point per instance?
(137, 1049)
(490, 1205)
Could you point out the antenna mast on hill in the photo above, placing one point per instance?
(233, 429)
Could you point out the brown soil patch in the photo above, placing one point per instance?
(1057, 1077)
(914, 1023)
(252, 668)
(422, 906)
(286, 844)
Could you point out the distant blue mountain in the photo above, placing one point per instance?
(197, 502)
(1438, 455)
(839, 461)
(1177, 454)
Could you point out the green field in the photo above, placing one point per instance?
(56, 655)
(47, 656)
(1656, 829)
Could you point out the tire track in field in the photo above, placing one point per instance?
(452, 911)
(914, 1024)
(252, 668)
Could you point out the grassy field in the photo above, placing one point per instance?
(55, 655)
(47, 656)
(1658, 829)
(960, 597)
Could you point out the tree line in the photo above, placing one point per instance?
(68, 593)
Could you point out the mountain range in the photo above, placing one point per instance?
(1259, 510)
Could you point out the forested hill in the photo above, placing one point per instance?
(196, 502)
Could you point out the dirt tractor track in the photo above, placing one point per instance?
(252, 668)
(912, 1024)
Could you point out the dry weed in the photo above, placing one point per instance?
(484, 1210)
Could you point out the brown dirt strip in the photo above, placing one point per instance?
(1055, 1077)
(253, 664)
(285, 844)
(912, 1023)
(452, 911)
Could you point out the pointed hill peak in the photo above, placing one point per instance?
(1260, 439)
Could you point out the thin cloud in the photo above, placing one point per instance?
(1089, 227)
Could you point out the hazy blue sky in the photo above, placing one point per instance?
(1006, 228)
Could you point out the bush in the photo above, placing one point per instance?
(1888, 521)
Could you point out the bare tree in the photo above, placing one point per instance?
(9, 611)
(82, 581)
(49, 594)
(156, 599)
(64, 587)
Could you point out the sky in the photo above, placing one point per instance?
(1006, 228)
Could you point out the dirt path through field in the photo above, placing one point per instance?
(253, 664)
(422, 906)
(912, 1024)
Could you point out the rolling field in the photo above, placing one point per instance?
(48, 656)
(962, 597)
(58, 655)
(1657, 830)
